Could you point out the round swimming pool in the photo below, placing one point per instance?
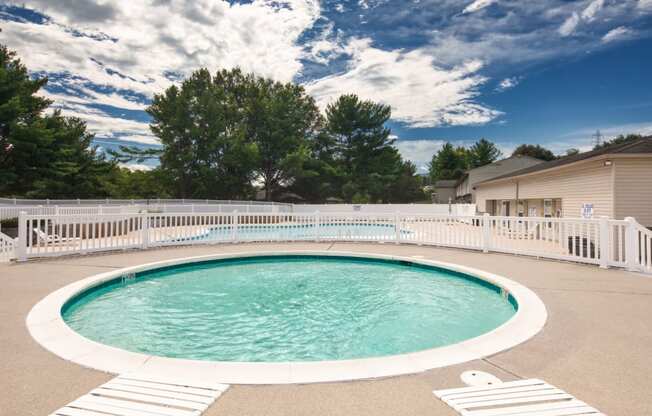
(288, 309)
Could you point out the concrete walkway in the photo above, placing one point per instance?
(597, 344)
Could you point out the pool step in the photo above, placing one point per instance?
(139, 396)
(515, 398)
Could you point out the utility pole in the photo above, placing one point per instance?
(597, 138)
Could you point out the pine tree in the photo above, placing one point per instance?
(44, 156)
(483, 152)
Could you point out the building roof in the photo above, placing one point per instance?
(446, 183)
(497, 162)
(639, 146)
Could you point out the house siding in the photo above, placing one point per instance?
(574, 185)
(464, 188)
(498, 191)
(633, 189)
(493, 170)
(444, 195)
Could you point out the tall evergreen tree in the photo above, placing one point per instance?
(363, 147)
(448, 163)
(46, 156)
(483, 152)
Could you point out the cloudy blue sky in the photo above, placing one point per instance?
(513, 71)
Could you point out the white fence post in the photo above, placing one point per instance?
(144, 226)
(21, 248)
(631, 249)
(317, 231)
(234, 226)
(397, 226)
(486, 233)
(605, 242)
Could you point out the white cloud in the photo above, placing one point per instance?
(569, 25)
(609, 131)
(106, 125)
(507, 83)
(136, 166)
(93, 97)
(420, 93)
(151, 40)
(592, 10)
(587, 15)
(618, 33)
(130, 46)
(419, 152)
(478, 5)
(645, 4)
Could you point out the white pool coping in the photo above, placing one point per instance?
(48, 328)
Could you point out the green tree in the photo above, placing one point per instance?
(21, 125)
(201, 126)
(620, 139)
(46, 156)
(483, 152)
(320, 177)
(139, 184)
(362, 147)
(75, 169)
(535, 151)
(408, 186)
(448, 163)
(280, 120)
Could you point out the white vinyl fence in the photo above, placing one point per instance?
(12, 211)
(434, 209)
(109, 201)
(7, 248)
(603, 242)
(121, 206)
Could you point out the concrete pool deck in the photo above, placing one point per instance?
(597, 343)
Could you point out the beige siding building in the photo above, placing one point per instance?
(615, 181)
(465, 188)
(444, 191)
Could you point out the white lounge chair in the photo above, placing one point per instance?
(52, 238)
(129, 395)
(515, 398)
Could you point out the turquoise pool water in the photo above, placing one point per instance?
(290, 308)
(299, 232)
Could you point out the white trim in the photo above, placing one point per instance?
(46, 325)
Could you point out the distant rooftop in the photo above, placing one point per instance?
(498, 163)
(639, 146)
(446, 183)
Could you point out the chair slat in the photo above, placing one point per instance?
(525, 394)
(527, 410)
(530, 382)
(515, 398)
